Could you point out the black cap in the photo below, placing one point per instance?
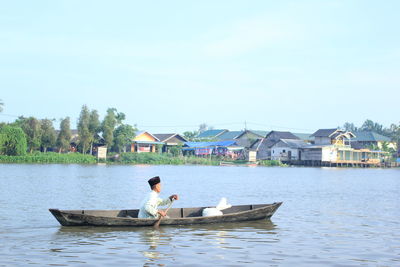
(153, 181)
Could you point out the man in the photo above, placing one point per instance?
(149, 206)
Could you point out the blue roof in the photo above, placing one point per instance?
(208, 144)
(398, 160)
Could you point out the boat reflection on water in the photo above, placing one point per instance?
(162, 241)
(163, 244)
(153, 238)
(86, 231)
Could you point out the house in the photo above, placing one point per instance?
(331, 155)
(144, 142)
(263, 146)
(218, 148)
(366, 139)
(333, 148)
(288, 150)
(211, 134)
(170, 140)
(242, 138)
(332, 137)
(74, 142)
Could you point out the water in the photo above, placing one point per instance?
(330, 217)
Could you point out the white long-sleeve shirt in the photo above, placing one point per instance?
(149, 206)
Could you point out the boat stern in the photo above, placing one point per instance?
(62, 219)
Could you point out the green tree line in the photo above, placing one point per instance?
(29, 134)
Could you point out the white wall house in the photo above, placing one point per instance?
(288, 150)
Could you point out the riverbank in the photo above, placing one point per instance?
(123, 158)
(134, 159)
(50, 157)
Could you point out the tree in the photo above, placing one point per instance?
(33, 131)
(94, 127)
(12, 141)
(123, 135)
(350, 127)
(119, 116)
(108, 126)
(49, 136)
(190, 135)
(203, 127)
(64, 137)
(85, 137)
(175, 150)
(369, 125)
(395, 136)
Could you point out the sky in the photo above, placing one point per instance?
(172, 65)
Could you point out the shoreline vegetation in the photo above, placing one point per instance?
(28, 139)
(128, 158)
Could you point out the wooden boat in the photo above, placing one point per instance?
(176, 216)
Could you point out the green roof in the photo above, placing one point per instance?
(230, 135)
(210, 133)
(369, 136)
(260, 133)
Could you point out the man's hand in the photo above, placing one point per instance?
(162, 213)
(175, 197)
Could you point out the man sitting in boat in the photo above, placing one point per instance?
(149, 206)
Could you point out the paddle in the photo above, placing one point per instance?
(157, 223)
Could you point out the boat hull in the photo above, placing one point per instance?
(178, 216)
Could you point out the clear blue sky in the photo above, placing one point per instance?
(298, 64)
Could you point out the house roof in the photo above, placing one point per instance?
(369, 136)
(143, 132)
(260, 133)
(230, 135)
(324, 132)
(256, 143)
(149, 142)
(75, 136)
(264, 142)
(211, 133)
(208, 144)
(295, 143)
(166, 137)
(282, 135)
(274, 137)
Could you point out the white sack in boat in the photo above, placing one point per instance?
(223, 204)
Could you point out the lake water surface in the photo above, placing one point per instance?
(329, 216)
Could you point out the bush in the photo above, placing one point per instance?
(160, 159)
(12, 141)
(271, 163)
(50, 157)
